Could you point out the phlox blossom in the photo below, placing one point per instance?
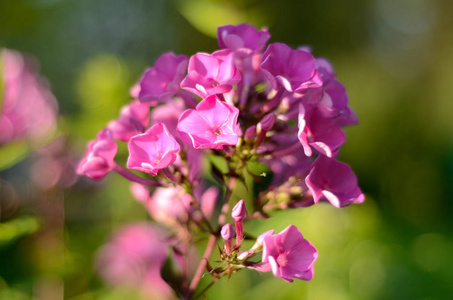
(335, 181)
(153, 150)
(211, 74)
(160, 82)
(98, 160)
(244, 39)
(295, 70)
(212, 124)
(289, 254)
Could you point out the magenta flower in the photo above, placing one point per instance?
(243, 39)
(211, 125)
(289, 254)
(153, 150)
(335, 181)
(295, 70)
(331, 99)
(211, 74)
(134, 257)
(161, 82)
(318, 131)
(133, 120)
(98, 160)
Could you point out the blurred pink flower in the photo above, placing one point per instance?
(243, 39)
(134, 256)
(28, 108)
(167, 205)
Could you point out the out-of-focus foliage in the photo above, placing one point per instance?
(395, 59)
(14, 229)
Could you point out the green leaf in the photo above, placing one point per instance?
(207, 15)
(12, 153)
(14, 229)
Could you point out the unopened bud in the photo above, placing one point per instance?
(259, 240)
(250, 133)
(267, 122)
(243, 255)
(239, 211)
(238, 215)
(227, 234)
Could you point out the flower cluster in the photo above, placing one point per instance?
(248, 102)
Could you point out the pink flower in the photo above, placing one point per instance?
(98, 160)
(133, 120)
(140, 192)
(289, 254)
(331, 98)
(161, 82)
(134, 257)
(153, 150)
(169, 204)
(295, 70)
(166, 205)
(318, 131)
(335, 181)
(211, 125)
(208, 201)
(243, 39)
(28, 110)
(211, 74)
(169, 113)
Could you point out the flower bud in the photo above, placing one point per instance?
(227, 234)
(239, 211)
(243, 255)
(267, 122)
(259, 240)
(238, 215)
(250, 133)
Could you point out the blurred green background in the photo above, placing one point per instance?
(395, 58)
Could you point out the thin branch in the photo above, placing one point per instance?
(132, 177)
(202, 266)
